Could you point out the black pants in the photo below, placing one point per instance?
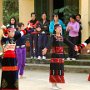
(42, 42)
(79, 38)
(72, 53)
(34, 44)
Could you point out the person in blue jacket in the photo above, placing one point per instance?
(56, 20)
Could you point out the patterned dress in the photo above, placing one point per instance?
(57, 59)
(9, 79)
(86, 42)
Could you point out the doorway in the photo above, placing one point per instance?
(57, 4)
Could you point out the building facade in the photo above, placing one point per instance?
(1, 11)
(28, 6)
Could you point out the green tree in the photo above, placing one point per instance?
(10, 9)
(67, 12)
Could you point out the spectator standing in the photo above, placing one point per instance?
(78, 19)
(12, 23)
(73, 29)
(33, 36)
(56, 20)
(43, 38)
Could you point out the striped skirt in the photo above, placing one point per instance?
(9, 79)
(57, 70)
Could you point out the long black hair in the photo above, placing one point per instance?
(15, 24)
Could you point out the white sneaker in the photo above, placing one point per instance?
(73, 59)
(39, 57)
(31, 57)
(68, 58)
(35, 57)
(78, 53)
(43, 57)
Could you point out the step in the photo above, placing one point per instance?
(81, 56)
(67, 68)
(83, 62)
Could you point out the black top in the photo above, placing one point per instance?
(21, 41)
(45, 26)
(57, 44)
(87, 41)
(58, 41)
(11, 40)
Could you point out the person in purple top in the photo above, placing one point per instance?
(73, 30)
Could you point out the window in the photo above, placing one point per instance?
(41, 6)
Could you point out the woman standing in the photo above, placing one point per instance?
(73, 29)
(12, 23)
(57, 57)
(43, 38)
(9, 79)
(55, 21)
(84, 44)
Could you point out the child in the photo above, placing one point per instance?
(57, 57)
(9, 79)
(79, 47)
(21, 51)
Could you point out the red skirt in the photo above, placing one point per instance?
(57, 70)
(9, 79)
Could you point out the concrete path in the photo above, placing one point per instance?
(38, 80)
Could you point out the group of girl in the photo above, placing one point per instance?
(14, 50)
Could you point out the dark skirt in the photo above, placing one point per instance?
(57, 70)
(9, 79)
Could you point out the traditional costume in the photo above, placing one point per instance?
(9, 79)
(82, 46)
(57, 58)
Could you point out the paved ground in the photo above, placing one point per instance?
(38, 80)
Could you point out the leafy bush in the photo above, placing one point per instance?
(67, 11)
(10, 9)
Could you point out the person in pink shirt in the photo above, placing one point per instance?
(73, 30)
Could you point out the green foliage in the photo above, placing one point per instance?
(10, 9)
(67, 11)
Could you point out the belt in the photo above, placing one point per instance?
(57, 55)
(22, 46)
(10, 68)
